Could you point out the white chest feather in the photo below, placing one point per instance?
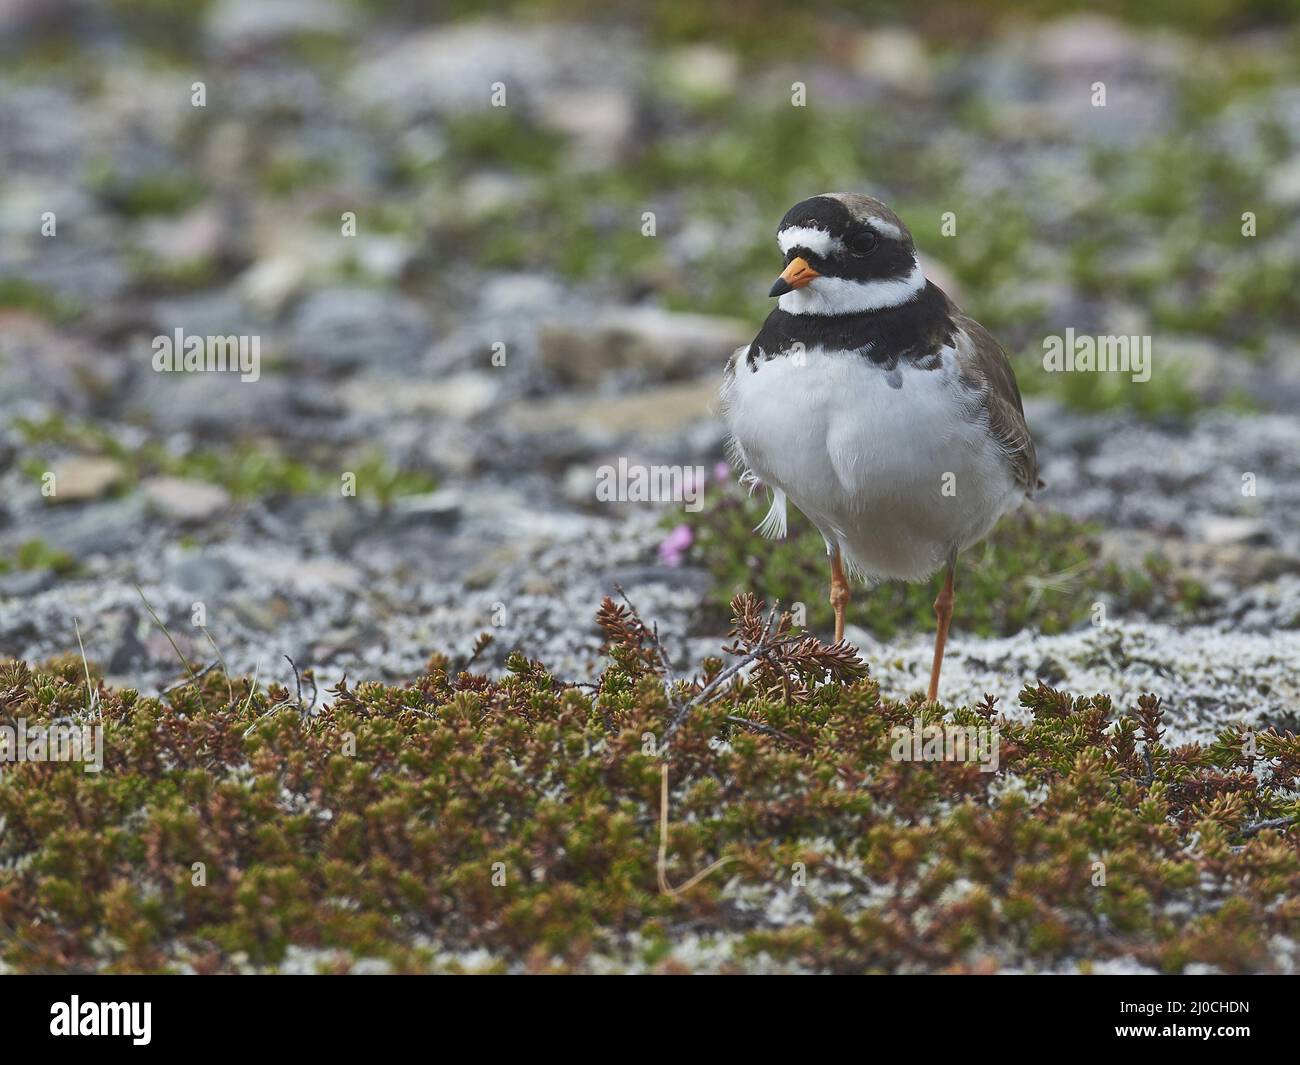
(895, 466)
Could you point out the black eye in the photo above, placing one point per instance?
(863, 243)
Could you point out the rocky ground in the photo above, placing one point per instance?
(499, 328)
(466, 311)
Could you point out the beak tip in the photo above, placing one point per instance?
(781, 287)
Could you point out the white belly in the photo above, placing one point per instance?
(898, 475)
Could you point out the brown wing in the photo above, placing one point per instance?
(985, 367)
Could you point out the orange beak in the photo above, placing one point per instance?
(794, 276)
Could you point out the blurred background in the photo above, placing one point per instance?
(529, 292)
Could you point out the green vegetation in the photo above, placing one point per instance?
(1152, 226)
(1166, 394)
(1156, 228)
(1037, 569)
(285, 173)
(247, 469)
(163, 193)
(35, 555)
(156, 275)
(20, 294)
(518, 818)
(771, 29)
(501, 139)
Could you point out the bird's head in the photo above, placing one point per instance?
(845, 254)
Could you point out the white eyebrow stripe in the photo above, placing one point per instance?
(817, 241)
(886, 229)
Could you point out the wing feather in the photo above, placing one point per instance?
(986, 368)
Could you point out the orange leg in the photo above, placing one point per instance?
(839, 593)
(942, 611)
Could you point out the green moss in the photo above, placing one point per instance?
(18, 293)
(248, 469)
(284, 175)
(37, 555)
(162, 193)
(1186, 196)
(518, 817)
(1037, 570)
(769, 30)
(500, 138)
(167, 27)
(160, 275)
(1165, 394)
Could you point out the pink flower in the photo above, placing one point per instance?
(675, 545)
(721, 472)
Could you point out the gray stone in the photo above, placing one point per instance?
(84, 477)
(209, 313)
(452, 68)
(1220, 530)
(895, 57)
(185, 500)
(199, 236)
(442, 507)
(1284, 182)
(342, 329)
(661, 344)
(463, 396)
(239, 25)
(202, 573)
(600, 122)
(107, 528)
(654, 412)
(22, 583)
(689, 577)
(42, 362)
(220, 405)
(700, 71)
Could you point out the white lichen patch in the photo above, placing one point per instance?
(1206, 677)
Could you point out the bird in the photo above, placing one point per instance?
(874, 406)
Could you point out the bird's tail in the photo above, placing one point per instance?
(773, 527)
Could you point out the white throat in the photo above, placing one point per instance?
(839, 295)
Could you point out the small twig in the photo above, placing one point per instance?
(297, 678)
(711, 689)
(768, 730)
(653, 633)
(1273, 822)
(282, 705)
(191, 679)
(92, 695)
(665, 887)
(482, 642)
(252, 688)
(158, 622)
(230, 688)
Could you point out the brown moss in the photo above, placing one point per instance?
(517, 816)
